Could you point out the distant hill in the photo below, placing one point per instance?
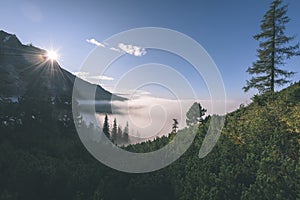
(25, 69)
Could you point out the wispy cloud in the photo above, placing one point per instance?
(115, 49)
(92, 78)
(104, 78)
(131, 94)
(132, 50)
(95, 42)
(122, 48)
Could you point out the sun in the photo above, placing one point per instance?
(52, 55)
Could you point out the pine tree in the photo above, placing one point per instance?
(126, 133)
(273, 51)
(175, 126)
(195, 114)
(114, 132)
(119, 132)
(106, 127)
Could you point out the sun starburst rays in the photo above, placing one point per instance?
(43, 66)
(52, 55)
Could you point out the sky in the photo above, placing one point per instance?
(223, 27)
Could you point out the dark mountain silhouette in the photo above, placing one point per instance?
(24, 69)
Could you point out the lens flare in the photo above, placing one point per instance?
(52, 55)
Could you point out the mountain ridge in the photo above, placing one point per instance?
(26, 69)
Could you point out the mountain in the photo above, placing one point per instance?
(24, 69)
(256, 157)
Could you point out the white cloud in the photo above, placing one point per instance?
(115, 49)
(126, 48)
(92, 78)
(135, 94)
(132, 50)
(104, 78)
(95, 42)
(80, 74)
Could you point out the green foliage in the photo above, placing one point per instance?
(273, 51)
(256, 157)
(195, 114)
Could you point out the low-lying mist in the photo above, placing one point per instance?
(148, 117)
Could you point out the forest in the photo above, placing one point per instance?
(256, 156)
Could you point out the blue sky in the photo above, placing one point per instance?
(223, 28)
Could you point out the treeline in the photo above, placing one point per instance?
(121, 137)
(116, 134)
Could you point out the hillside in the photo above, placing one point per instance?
(256, 157)
(25, 69)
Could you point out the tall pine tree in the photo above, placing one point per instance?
(106, 127)
(273, 51)
(120, 132)
(114, 132)
(126, 133)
